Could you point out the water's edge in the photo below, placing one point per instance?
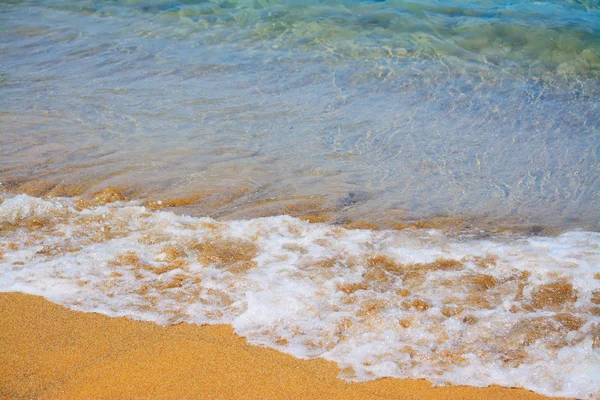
(510, 310)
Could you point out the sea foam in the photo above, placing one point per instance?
(516, 311)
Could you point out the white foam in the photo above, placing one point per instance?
(314, 290)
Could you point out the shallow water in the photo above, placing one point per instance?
(487, 111)
(470, 131)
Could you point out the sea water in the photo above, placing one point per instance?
(462, 138)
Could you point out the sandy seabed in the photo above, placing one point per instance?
(50, 352)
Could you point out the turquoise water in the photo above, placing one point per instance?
(488, 110)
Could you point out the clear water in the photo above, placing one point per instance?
(479, 119)
(480, 110)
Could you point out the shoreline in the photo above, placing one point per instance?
(305, 208)
(51, 352)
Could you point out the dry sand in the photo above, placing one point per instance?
(50, 352)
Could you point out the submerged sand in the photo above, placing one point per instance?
(50, 352)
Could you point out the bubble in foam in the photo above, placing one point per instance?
(417, 303)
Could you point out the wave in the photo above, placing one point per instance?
(510, 310)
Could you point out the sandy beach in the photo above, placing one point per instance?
(50, 352)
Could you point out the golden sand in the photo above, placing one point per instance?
(50, 352)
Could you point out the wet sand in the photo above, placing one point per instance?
(50, 352)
